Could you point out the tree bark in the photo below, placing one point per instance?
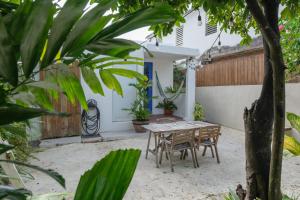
(258, 130)
(266, 15)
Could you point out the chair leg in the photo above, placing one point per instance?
(217, 154)
(195, 153)
(181, 155)
(186, 154)
(170, 154)
(148, 144)
(193, 157)
(204, 151)
(212, 151)
(161, 153)
(171, 160)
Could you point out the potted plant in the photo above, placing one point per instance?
(168, 106)
(138, 108)
(198, 112)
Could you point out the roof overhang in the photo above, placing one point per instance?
(173, 52)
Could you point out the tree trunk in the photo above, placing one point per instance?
(266, 16)
(271, 10)
(258, 130)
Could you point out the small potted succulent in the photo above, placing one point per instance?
(168, 106)
(138, 108)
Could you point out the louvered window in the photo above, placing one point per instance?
(209, 28)
(179, 36)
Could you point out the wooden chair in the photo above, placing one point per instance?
(208, 137)
(178, 141)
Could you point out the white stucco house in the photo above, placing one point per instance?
(198, 35)
(188, 41)
(114, 118)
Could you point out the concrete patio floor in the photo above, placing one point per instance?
(209, 181)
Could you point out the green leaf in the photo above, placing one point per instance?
(110, 64)
(7, 192)
(87, 27)
(8, 60)
(52, 196)
(110, 177)
(292, 145)
(5, 147)
(146, 17)
(53, 174)
(15, 129)
(14, 113)
(70, 84)
(35, 34)
(111, 81)
(91, 79)
(113, 47)
(62, 25)
(44, 85)
(42, 98)
(127, 73)
(294, 120)
(18, 19)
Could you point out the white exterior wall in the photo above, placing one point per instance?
(225, 104)
(112, 117)
(164, 68)
(194, 35)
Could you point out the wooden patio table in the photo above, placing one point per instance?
(161, 130)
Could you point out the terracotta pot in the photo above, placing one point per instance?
(168, 112)
(138, 126)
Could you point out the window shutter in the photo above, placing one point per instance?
(209, 29)
(179, 36)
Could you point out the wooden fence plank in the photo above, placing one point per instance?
(235, 69)
(53, 126)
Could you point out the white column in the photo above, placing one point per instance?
(190, 90)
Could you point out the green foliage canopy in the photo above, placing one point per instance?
(40, 36)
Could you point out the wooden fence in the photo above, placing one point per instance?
(54, 127)
(240, 68)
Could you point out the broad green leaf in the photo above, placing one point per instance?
(45, 85)
(127, 73)
(110, 64)
(7, 192)
(292, 145)
(145, 17)
(14, 113)
(5, 147)
(92, 61)
(18, 19)
(87, 27)
(110, 177)
(62, 24)
(294, 120)
(52, 196)
(113, 47)
(42, 98)
(70, 84)
(53, 174)
(111, 81)
(15, 129)
(8, 60)
(92, 80)
(35, 34)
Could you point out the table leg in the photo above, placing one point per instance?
(147, 150)
(156, 150)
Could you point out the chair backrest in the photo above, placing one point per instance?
(184, 136)
(212, 132)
